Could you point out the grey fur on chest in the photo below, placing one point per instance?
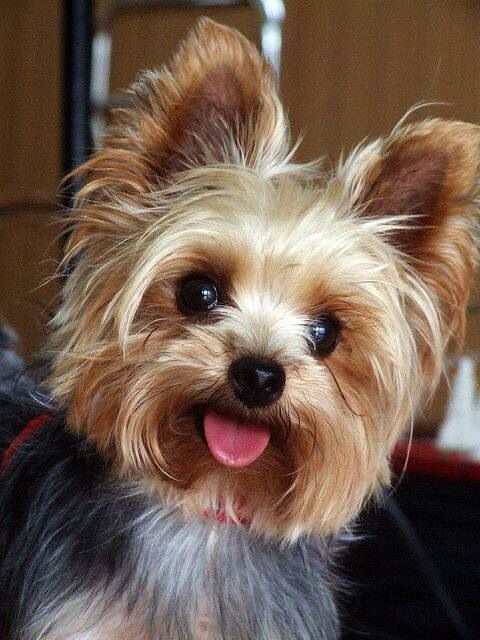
(246, 586)
(199, 580)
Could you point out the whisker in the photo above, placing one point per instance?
(342, 395)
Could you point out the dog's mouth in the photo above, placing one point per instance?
(232, 442)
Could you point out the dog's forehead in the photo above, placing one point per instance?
(284, 241)
(284, 224)
(285, 233)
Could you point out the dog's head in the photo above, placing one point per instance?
(237, 331)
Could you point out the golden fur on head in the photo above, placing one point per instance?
(196, 177)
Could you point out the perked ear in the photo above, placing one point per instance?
(425, 180)
(216, 102)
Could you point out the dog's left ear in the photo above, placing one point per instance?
(425, 179)
(216, 102)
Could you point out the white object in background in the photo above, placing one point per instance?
(460, 429)
(476, 440)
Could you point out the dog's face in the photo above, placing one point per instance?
(236, 334)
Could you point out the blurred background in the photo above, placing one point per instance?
(349, 70)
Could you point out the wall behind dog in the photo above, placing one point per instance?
(30, 42)
(350, 70)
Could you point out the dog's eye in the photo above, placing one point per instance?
(197, 294)
(324, 332)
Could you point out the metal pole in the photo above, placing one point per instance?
(77, 43)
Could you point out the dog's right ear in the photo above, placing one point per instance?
(215, 103)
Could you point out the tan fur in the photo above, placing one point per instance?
(197, 176)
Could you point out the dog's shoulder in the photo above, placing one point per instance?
(14, 416)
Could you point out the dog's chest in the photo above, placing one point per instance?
(202, 580)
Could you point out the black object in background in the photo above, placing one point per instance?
(415, 574)
(77, 48)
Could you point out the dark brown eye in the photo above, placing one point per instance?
(197, 294)
(324, 332)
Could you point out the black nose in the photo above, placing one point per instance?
(256, 382)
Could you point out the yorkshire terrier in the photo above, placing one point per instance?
(239, 343)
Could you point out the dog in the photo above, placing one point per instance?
(239, 343)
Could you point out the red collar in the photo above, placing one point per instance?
(31, 426)
(218, 513)
(221, 516)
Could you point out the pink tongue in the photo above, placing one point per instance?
(232, 443)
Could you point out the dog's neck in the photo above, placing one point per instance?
(220, 515)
